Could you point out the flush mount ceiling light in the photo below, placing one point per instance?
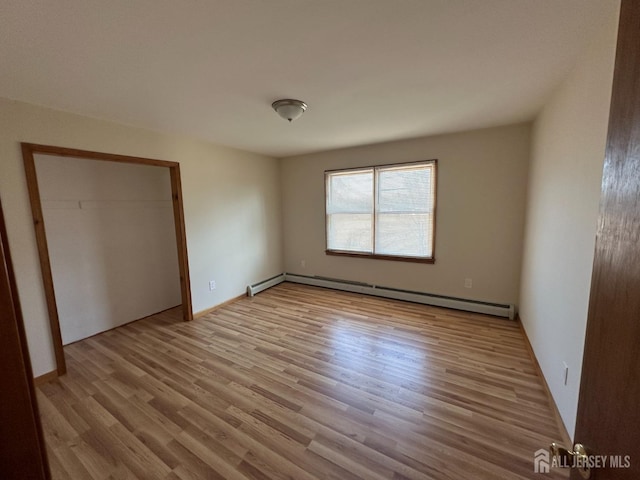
(289, 109)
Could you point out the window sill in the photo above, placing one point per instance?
(396, 258)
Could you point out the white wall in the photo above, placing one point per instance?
(564, 189)
(231, 200)
(112, 242)
(480, 214)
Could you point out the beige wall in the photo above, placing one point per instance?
(480, 214)
(564, 189)
(231, 200)
(112, 242)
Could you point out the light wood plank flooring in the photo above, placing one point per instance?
(300, 383)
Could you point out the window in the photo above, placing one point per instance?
(382, 212)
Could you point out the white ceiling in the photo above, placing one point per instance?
(370, 70)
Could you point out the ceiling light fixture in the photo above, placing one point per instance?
(289, 109)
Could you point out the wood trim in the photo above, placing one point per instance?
(43, 254)
(382, 165)
(24, 455)
(566, 438)
(28, 151)
(181, 240)
(326, 215)
(110, 157)
(207, 311)
(380, 257)
(435, 211)
(45, 378)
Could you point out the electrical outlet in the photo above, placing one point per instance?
(468, 283)
(212, 285)
(303, 263)
(565, 372)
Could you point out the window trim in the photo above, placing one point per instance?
(377, 256)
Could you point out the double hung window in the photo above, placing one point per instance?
(383, 212)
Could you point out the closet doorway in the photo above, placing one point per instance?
(32, 154)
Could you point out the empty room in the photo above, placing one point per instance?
(341, 239)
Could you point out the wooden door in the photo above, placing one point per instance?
(609, 404)
(22, 450)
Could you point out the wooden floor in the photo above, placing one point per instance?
(300, 383)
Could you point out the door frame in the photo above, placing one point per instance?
(25, 454)
(28, 152)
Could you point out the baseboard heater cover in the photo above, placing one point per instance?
(268, 283)
(476, 306)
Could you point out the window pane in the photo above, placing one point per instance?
(351, 232)
(404, 234)
(350, 192)
(405, 189)
(404, 211)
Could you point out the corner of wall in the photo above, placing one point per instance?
(567, 153)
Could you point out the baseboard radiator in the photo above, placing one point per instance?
(497, 309)
(268, 283)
